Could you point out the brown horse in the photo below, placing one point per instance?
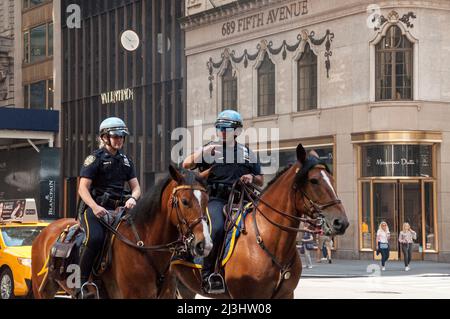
(265, 262)
(175, 209)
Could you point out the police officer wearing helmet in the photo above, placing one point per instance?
(224, 162)
(101, 188)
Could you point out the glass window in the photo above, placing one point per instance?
(366, 221)
(229, 89)
(38, 43)
(394, 58)
(307, 80)
(288, 157)
(20, 236)
(26, 47)
(50, 39)
(397, 160)
(266, 87)
(430, 231)
(38, 95)
(32, 3)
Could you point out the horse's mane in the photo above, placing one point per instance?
(277, 176)
(150, 204)
(300, 179)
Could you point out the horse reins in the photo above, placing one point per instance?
(172, 246)
(314, 208)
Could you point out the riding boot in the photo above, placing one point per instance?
(212, 283)
(87, 259)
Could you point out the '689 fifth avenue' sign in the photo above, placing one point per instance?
(272, 16)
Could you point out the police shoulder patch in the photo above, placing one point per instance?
(89, 160)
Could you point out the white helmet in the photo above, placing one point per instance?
(113, 126)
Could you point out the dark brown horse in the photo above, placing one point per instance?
(176, 208)
(265, 262)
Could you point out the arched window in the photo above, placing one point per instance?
(307, 80)
(394, 66)
(229, 89)
(266, 87)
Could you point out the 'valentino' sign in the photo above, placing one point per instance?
(117, 96)
(286, 12)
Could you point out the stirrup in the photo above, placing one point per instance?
(88, 283)
(212, 281)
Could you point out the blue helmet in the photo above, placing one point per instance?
(229, 119)
(113, 126)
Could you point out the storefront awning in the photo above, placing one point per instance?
(18, 119)
(24, 127)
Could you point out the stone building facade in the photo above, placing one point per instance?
(6, 53)
(366, 83)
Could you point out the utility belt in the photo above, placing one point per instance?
(219, 190)
(109, 201)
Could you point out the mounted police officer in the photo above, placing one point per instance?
(101, 188)
(224, 162)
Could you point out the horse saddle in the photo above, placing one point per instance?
(67, 248)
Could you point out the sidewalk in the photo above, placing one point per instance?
(366, 268)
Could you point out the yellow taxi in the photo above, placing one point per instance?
(16, 239)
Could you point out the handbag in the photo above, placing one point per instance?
(384, 245)
(309, 246)
(302, 249)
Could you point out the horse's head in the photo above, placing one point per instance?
(189, 200)
(317, 197)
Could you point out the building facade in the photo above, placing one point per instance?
(140, 82)
(30, 103)
(6, 53)
(365, 83)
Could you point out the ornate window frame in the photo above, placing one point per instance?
(403, 24)
(297, 55)
(255, 81)
(219, 79)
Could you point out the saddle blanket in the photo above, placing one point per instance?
(230, 242)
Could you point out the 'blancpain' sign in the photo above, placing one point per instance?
(258, 20)
(117, 96)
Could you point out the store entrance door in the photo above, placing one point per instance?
(396, 202)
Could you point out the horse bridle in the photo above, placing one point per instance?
(188, 235)
(315, 208)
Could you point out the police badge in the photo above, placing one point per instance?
(126, 162)
(89, 160)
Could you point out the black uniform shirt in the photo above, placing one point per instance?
(108, 172)
(228, 169)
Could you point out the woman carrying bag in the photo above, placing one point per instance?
(383, 236)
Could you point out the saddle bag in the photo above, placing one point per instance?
(66, 251)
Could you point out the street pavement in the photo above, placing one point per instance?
(365, 268)
(363, 279)
(357, 279)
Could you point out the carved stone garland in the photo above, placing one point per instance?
(263, 46)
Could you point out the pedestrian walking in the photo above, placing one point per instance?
(308, 245)
(325, 244)
(406, 239)
(383, 236)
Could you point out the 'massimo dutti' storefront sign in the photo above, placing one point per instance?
(269, 17)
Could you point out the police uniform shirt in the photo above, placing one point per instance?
(226, 169)
(108, 172)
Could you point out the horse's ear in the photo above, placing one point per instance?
(175, 174)
(301, 153)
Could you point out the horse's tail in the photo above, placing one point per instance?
(43, 286)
